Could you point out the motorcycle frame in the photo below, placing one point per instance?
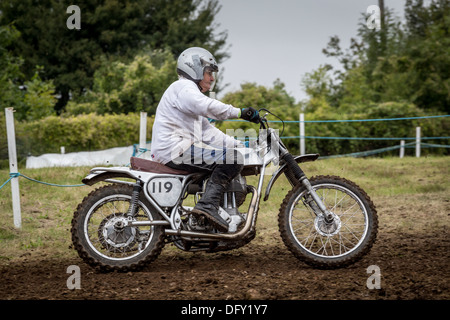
(272, 153)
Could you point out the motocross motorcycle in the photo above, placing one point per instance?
(325, 221)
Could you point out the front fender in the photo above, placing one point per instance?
(283, 168)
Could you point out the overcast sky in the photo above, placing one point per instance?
(284, 39)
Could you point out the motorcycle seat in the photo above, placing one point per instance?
(153, 166)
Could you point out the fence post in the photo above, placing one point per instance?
(143, 132)
(402, 148)
(302, 133)
(13, 167)
(418, 142)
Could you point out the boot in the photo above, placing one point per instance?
(208, 205)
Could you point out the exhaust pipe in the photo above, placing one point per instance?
(224, 236)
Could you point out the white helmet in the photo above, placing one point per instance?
(192, 63)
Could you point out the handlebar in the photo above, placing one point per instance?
(263, 121)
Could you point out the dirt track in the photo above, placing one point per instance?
(412, 252)
(412, 267)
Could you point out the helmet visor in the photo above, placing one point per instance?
(210, 76)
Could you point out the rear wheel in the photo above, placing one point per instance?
(102, 238)
(318, 242)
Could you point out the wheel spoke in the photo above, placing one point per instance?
(340, 237)
(109, 240)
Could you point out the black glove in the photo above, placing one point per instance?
(250, 114)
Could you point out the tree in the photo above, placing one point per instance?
(428, 47)
(403, 63)
(31, 98)
(110, 28)
(121, 87)
(275, 99)
(318, 85)
(9, 67)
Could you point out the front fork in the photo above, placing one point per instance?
(297, 174)
(329, 217)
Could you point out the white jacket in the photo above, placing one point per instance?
(182, 120)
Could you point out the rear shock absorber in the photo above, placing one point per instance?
(132, 210)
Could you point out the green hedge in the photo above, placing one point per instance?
(97, 132)
(435, 127)
(76, 133)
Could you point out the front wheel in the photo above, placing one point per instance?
(321, 243)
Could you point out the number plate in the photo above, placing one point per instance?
(165, 191)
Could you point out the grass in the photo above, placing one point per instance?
(403, 190)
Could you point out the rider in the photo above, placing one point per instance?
(181, 129)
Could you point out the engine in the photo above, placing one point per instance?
(233, 197)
